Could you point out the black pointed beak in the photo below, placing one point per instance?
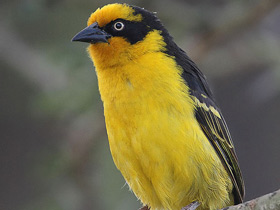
(92, 34)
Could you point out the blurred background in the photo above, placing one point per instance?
(54, 150)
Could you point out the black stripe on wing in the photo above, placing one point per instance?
(215, 128)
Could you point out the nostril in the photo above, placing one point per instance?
(94, 25)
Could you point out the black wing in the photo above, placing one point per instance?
(215, 128)
(212, 123)
(208, 115)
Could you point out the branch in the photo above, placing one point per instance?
(269, 201)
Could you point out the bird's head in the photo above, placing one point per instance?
(120, 33)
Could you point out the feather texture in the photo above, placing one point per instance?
(166, 134)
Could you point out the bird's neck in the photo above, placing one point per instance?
(153, 80)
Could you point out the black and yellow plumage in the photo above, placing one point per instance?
(209, 116)
(167, 135)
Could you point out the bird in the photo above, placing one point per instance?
(166, 133)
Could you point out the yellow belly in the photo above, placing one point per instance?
(164, 156)
(155, 139)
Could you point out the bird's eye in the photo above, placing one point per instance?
(119, 26)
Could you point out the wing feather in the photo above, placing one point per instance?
(214, 127)
(208, 114)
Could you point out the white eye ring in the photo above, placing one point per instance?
(119, 26)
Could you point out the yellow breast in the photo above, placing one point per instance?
(154, 137)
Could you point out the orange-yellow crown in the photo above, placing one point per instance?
(112, 12)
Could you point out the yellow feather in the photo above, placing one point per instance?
(154, 137)
(112, 12)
